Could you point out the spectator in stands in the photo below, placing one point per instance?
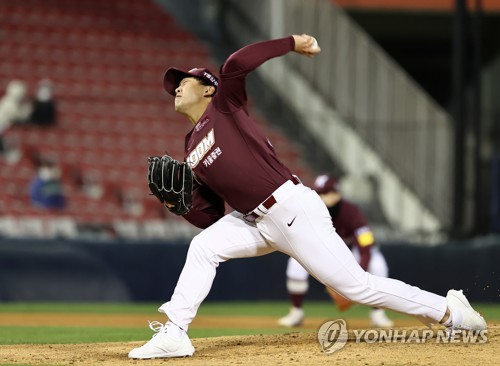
(44, 105)
(46, 189)
(14, 108)
(92, 186)
(132, 202)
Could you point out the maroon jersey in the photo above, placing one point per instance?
(232, 159)
(352, 227)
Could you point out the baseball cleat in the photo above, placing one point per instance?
(471, 319)
(163, 345)
(293, 319)
(379, 319)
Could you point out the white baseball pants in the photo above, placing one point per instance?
(377, 265)
(310, 239)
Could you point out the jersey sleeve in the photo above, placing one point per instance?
(231, 94)
(207, 207)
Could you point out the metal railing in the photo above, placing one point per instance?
(393, 115)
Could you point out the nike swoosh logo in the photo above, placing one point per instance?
(291, 222)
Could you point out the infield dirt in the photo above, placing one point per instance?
(283, 349)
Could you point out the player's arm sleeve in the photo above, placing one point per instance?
(207, 207)
(233, 72)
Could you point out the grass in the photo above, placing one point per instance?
(87, 308)
(257, 308)
(46, 335)
(59, 335)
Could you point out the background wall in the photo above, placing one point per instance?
(53, 270)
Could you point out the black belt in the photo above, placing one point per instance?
(268, 203)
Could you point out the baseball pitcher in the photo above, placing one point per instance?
(233, 162)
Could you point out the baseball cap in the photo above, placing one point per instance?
(174, 76)
(326, 183)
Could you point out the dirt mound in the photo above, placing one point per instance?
(283, 349)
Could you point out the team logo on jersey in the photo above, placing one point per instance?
(203, 147)
(201, 124)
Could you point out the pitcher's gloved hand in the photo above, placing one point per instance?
(171, 182)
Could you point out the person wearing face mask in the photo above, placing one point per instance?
(44, 105)
(46, 189)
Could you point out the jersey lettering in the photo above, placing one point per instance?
(212, 156)
(203, 147)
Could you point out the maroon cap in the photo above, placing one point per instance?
(174, 76)
(326, 183)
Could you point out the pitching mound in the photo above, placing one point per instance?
(284, 349)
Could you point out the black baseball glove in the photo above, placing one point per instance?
(172, 183)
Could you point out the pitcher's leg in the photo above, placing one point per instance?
(352, 282)
(230, 237)
(312, 240)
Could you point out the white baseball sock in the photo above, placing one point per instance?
(454, 319)
(174, 331)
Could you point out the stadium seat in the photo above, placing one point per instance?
(106, 60)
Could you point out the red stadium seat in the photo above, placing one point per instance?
(106, 60)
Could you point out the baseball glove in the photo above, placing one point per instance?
(341, 302)
(172, 183)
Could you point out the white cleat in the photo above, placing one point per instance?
(163, 345)
(379, 319)
(293, 319)
(471, 319)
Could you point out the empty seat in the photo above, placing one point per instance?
(106, 60)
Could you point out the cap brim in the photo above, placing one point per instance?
(173, 78)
